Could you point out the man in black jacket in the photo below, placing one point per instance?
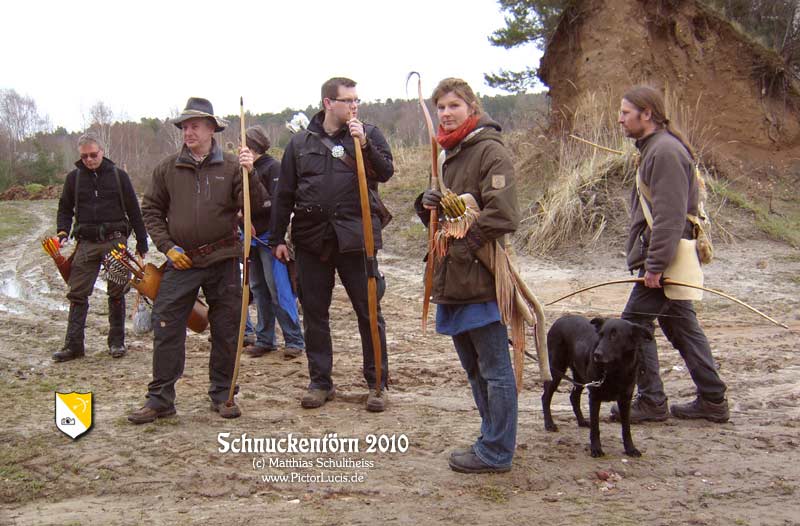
(101, 199)
(318, 183)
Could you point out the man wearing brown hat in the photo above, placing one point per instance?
(269, 278)
(191, 210)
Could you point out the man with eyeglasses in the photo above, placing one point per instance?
(318, 183)
(100, 197)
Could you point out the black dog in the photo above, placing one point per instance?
(603, 355)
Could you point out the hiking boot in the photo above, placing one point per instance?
(461, 451)
(145, 415)
(249, 339)
(73, 342)
(290, 353)
(643, 410)
(317, 397)
(702, 408)
(470, 463)
(116, 325)
(67, 353)
(225, 410)
(254, 351)
(117, 351)
(375, 403)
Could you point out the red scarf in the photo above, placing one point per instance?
(450, 140)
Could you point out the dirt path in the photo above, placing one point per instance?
(744, 472)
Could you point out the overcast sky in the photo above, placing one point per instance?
(145, 58)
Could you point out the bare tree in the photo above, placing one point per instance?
(102, 120)
(19, 119)
(173, 134)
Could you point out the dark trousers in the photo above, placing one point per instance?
(316, 279)
(222, 288)
(678, 321)
(83, 274)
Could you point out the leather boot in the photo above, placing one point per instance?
(73, 343)
(116, 326)
(702, 408)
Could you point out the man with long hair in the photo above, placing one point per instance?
(667, 169)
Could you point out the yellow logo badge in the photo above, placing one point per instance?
(73, 413)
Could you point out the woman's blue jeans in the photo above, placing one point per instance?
(484, 355)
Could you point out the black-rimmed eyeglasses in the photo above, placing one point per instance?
(349, 101)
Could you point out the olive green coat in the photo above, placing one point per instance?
(480, 165)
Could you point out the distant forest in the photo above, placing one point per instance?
(32, 152)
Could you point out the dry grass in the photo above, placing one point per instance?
(405, 233)
(574, 206)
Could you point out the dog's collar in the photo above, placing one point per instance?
(594, 383)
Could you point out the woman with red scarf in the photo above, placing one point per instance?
(475, 161)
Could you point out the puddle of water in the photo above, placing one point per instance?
(10, 310)
(10, 288)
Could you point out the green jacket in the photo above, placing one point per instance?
(479, 165)
(190, 204)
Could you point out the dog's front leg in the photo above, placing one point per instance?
(624, 404)
(594, 422)
(575, 400)
(547, 396)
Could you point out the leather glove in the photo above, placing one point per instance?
(431, 198)
(178, 258)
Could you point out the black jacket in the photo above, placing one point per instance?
(322, 191)
(267, 169)
(99, 201)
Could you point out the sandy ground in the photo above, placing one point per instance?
(743, 472)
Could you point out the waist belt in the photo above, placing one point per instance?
(98, 238)
(205, 250)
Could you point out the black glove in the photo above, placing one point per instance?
(431, 198)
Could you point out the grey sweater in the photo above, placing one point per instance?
(667, 169)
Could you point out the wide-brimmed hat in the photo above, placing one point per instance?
(199, 108)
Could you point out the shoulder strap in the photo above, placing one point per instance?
(75, 205)
(644, 196)
(643, 191)
(345, 158)
(119, 187)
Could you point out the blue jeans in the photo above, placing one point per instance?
(248, 326)
(265, 296)
(484, 355)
